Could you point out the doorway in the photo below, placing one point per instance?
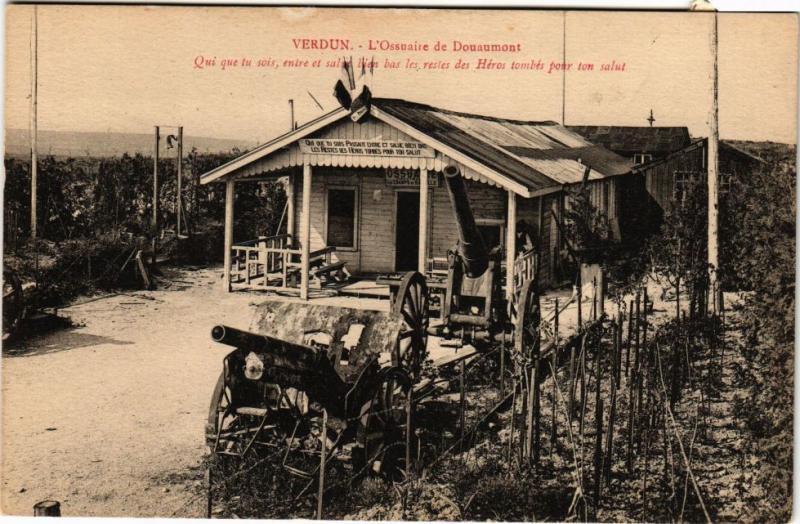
(406, 231)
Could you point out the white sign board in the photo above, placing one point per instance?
(377, 147)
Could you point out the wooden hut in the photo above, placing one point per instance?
(368, 196)
(664, 179)
(640, 144)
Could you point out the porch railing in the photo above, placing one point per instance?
(270, 263)
(524, 269)
(275, 264)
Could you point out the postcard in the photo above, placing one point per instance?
(398, 263)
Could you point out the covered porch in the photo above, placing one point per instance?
(362, 230)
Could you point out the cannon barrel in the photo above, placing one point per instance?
(237, 338)
(281, 353)
(471, 247)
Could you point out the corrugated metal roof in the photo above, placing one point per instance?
(532, 156)
(567, 166)
(538, 155)
(628, 140)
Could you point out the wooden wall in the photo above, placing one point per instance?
(660, 177)
(487, 202)
(377, 213)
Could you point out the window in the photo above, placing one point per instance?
(342, 219)
(684, 182)
(492, 231)
(725, 180)
(642, 158)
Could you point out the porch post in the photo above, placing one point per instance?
(226, 272)
(423, 220)
(511, 244)
(305, 231)
(290, 207)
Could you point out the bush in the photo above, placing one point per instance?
(99, 209)
(84, 198)
(759, 245)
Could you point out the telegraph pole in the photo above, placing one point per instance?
(713, 186)
(180, 180)
(563, 70)
(34, 123)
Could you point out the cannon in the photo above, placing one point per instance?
(474, 307)
(325, 376)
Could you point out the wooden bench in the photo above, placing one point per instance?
(335, 272)
(322, 269)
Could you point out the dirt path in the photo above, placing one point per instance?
(108, 418)
(724, 460)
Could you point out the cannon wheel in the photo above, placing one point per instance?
(235, 430)
(219, 403)
(382, 430)
(13, 302)
(526, 323)
(411, 304)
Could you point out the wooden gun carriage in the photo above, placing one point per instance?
(474, 306)
(345, 386)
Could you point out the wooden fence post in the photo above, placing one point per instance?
(571, 403)
(618, 357)
(513, 417)
(612, 415)
(461, 406)
(47, 508)
(582, 366)
(529, 439)
(630, 340)
(503, 366)
(580, 305)
(554, 356)
(598, 450)
(645, 357)
(537, 401)
(598, 416)
(210, 492)
(409, 469)
(323, 449)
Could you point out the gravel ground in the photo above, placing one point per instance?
(108, 417)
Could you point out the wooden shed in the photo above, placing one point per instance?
(663, 179)
(640, 144)
(369, 195)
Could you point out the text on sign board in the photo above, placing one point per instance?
(343, 146)
(408, 178)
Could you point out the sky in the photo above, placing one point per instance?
(128, 68)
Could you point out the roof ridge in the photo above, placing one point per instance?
(626, 127)
(429, 107)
